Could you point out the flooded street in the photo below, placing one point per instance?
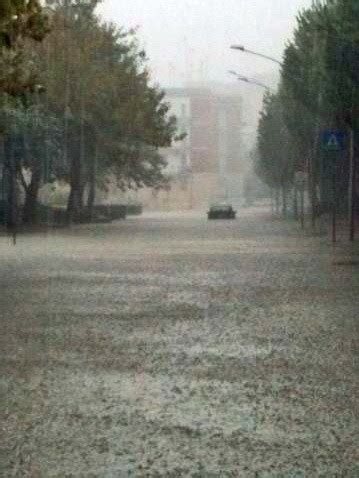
(170, 346)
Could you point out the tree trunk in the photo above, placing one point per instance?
(75, 197)
(29, 214)
(272, 201)
(302, 212)
(77, 183)
(92, 184)
(313, 176)
(11, 186)
(81, 194)
(313, 161)
(295, 204)
(284, 202)
(277, 201)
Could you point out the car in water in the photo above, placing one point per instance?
(221, 211)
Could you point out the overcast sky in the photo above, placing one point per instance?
(190, 39)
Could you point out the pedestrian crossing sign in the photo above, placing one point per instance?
(333, 140)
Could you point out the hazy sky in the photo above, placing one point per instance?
(190, 39)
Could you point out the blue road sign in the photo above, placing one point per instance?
(333, 140)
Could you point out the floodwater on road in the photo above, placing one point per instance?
(170, 346)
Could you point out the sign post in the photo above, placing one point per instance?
(352, 181)
(334, 218)
(333, 141)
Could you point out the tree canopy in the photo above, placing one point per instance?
(319, 89)
(89, 83)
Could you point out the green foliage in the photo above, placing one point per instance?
(20, 21)
(275, 162)
(97, 82)
(34, 136)
(319, 89)
(99, 119)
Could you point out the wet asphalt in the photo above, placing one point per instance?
(169, 346)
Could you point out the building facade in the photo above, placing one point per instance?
(204, 167)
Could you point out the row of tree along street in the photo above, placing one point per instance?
(318, 94)
(76, 106)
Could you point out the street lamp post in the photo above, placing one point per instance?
(251, 52)
(251, 81)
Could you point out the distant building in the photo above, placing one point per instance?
(206, 165)
(212, 121)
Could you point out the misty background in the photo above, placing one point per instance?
(188, 43)
(189, 40)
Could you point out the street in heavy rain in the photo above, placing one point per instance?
(179, 239)
(168, 346)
